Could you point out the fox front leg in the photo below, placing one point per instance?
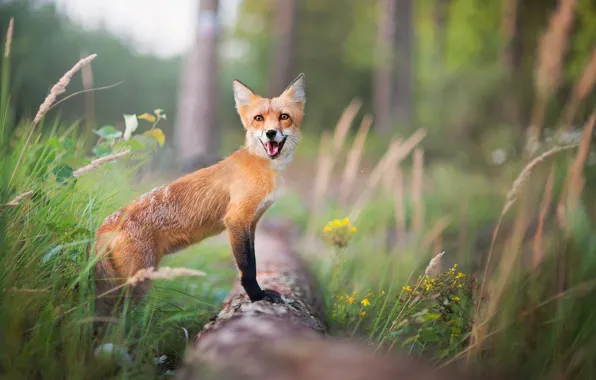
(270, 295)
(243, 249)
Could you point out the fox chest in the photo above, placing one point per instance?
(270, 198)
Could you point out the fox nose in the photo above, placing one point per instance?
(271, 134)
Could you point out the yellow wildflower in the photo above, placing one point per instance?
(336, 223)
(407, 288)
(362, 314)
(456, 299)
(460, 275)
(346, 221)
(351, 300)
(365, 302)
(353, 230)
(382, 292)
(327, 228)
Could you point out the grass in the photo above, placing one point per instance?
(526, 312)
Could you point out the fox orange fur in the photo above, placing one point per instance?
(233, 194)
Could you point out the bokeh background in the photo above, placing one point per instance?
(465, 70)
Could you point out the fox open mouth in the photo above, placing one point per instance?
(273, 148)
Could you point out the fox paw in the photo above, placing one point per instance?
(272, 296)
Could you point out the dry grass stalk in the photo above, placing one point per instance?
(164, 273)
(399, 204)
(552, 47)
(581, 89)
(77, 173)
(576, 177)
(56, 90)
(525, 174)
(417, 189)
(15, 202)
(393, 156)
(60, 87)
(506, 264)
(328, 157)
(434, 266)
(462, 235)
(324, 167)
(573, 184)
(436, 231)
(100, 161)
(344, 123)
(375, 176)
(27, 291)
(511, 197)
(353, 159)
(547, 197)
(9, 34)
(87, 78)
(388, 180)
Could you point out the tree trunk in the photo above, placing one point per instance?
(285, 32)
(441, 12)
(404, 73)
(261, 340)
(383, 99)
(196, 134)
(509, 25)
(440, 15)
(509, 60)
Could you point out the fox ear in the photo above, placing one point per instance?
(242, 94)
(296, 90)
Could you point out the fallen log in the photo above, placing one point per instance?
(262, 340)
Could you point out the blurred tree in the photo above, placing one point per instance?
(283, 50)
(385, 65)
(441, 13)
(197, 136)
(404, 71)
(509, 58)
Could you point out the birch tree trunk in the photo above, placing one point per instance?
(287, 341)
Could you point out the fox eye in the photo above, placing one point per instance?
(259, 118)
(284, 116)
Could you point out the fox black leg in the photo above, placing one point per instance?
(269, 295)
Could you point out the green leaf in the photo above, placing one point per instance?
(63, 172)
(147, 142)
(51, 253)
(156, 134)
(108, 132)
(411, 339)
(428, 335)
(102, 149)
(133, 144)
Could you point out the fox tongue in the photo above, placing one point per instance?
(272, 147)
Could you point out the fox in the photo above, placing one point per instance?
(233, 194)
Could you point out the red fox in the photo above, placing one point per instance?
(231, 195)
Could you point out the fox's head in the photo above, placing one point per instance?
(272, 125)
